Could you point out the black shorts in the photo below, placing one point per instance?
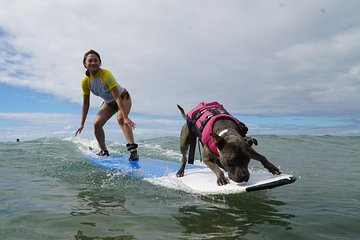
(124, 95)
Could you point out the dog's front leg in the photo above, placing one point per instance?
(268, 165)
(210, 162)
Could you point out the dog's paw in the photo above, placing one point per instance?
(179, 174)
(273, 169)
(221, 181)
(278, 172)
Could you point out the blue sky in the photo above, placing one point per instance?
(275, 69)
(23, 99)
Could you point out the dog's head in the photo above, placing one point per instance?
(234, 152)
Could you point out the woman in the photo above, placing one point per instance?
(116, 100)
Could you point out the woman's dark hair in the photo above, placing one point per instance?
(85, 56)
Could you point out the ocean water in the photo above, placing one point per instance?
(48, 190)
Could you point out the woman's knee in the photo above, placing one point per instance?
(120, 120)
(98, 125)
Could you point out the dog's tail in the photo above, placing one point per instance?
(182, 111)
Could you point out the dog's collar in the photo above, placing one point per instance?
(223, 132)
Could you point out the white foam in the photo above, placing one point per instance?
(171, 154)
(83, 143)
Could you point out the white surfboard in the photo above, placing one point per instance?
(203, 181)
(198, 178)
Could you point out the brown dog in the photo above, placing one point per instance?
(234, 151)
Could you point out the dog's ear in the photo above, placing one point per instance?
(250, 141)
(219, 141)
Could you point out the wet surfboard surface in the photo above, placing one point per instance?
(197, 179)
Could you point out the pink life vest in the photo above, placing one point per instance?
(204, 115)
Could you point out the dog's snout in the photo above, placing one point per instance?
(246, 175)
(246, 178)
(242, 175)
(240, 179)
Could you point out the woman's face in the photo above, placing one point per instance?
(92, 63)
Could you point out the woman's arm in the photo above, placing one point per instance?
(122, 110)
(115, 92)
(85, 110)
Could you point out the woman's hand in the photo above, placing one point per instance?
(79, 130)
(127, 122)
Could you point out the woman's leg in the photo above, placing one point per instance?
(128, 133)
(104, 114)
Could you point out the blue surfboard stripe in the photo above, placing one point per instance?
(143, 168)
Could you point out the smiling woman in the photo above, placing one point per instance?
(117, 99)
